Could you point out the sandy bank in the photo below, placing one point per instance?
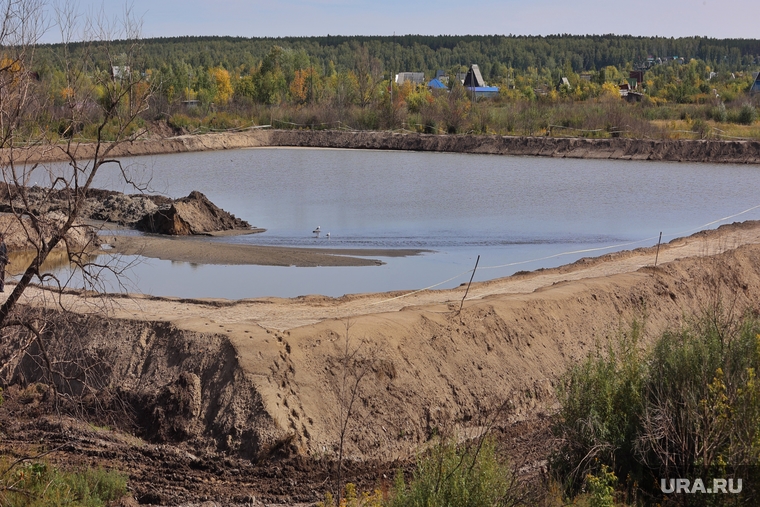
(202, 251)
(266, 371)
(713, 151)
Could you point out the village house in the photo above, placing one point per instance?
(474, 83)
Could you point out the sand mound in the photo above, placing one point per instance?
(193, 214)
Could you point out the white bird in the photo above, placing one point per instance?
(316, 231)
(328, 235)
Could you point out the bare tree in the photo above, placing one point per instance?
(104, 92)
(354, 367)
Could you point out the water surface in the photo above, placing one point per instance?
(506, 209)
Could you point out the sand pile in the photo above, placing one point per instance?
(191, 215)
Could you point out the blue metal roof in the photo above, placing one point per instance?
(483, 91)
(436, 84)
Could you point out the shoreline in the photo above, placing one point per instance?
(678, 150)
(198, 250)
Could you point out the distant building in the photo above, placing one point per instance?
(119, 72)
(473, 78)
(563, 81)
(474, 83)
(638, 75)
(756, 84)
(436, 84)
(416, 78)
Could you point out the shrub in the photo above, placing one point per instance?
(469, 476)
(688, 409)
(182, 121)
(701, 128)
(601, 488)
(601, 406)
(38, 483)
(719, 113)
(747, 115)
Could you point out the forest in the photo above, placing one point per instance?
(692, 87)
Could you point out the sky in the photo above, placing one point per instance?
(280, 18)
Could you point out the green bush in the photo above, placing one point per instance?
(719, 113)
(38, 484)
(183, 121)
(702, 395)
(601, 488)
(690, 408)
(747, 115)
(452, 475)
(601, 406)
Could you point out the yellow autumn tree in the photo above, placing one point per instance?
(610, 90)
(298, 88)
(222, 84)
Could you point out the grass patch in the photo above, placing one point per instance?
(39, 484)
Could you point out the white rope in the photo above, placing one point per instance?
(585, 250)
(420, 290)
(708, 224)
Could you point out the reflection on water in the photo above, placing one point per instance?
(19, 260)
(506, 209)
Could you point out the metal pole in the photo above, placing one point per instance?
(657, 255)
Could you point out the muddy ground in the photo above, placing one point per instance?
(179, 474)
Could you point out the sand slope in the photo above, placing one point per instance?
(424, 367)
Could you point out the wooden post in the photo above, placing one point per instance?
(470, 283)
(657, 255)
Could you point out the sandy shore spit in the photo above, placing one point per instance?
(202, 250)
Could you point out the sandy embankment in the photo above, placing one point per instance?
(713, 151)
(272, 367)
